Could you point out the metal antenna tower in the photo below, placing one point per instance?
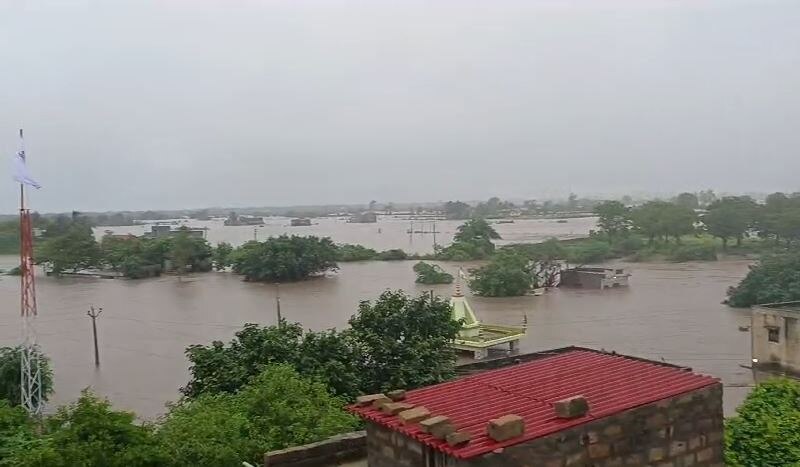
(31, 380)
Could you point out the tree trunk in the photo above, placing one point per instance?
(724, 243)
(739, 240)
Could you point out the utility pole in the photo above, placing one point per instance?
(255, 233)
(278, 301)
(94, 313)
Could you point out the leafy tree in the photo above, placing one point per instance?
(75, 249)
(405, 341)
(222, 256)
(285, 258)
(589, 252)
(394, 254)
(677, 221)
(397, 341)
(457, 210)
(431, 274)
(764, 431)
(10, 374)
(507, 274)
(348, 252)
(730, 217)
(279, 408)
(706, 197)
(614, 218)
(87, 433)
(773, 279)
(181, 251)
(648, 219)
(473, 240)
(687, 200)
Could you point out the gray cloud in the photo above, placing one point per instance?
(177, 103)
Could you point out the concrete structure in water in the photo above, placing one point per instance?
(300, 222)
(775, 337)
(566, 407)
(594, 278)
(161, 231)
(477, 337)
(364, 218)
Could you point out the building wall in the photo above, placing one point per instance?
(783, 354)
(679, 432)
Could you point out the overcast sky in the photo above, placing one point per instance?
(188, 103)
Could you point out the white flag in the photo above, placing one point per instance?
(21, 173)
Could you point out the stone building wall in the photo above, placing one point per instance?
(683, 431)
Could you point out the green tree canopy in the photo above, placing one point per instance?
(614, 218)
(86, 433)
(277, 409)
(765, 430)
(687, 200)
(507, 274)
(74, 249)
(457, 210)
(774, 279)
(221, 257)
(431, 274)
(285, 258)
(730, 217)
(473, 240)
(396, 341)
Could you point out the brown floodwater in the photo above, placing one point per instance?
(670, 311)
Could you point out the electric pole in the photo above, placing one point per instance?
(94, 313)
(278, 301)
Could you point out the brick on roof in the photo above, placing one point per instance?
(611, 383)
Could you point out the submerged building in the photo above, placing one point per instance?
(594, 278)
(478, 337)
(775, 336)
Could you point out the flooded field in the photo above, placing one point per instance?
(670, 311)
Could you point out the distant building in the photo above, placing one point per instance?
(235, 219)
(594, 278)
(775, 337)
(364, 218)
(564, 407)
(301, 222)
(161, 231)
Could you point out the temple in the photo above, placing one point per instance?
(477, 337)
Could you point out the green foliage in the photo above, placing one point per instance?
(221, 257)
(75, 249)
(507, 274)
(472, 241)
(457, 210)
(775, 278)
(662, 219)
(9, 237)
(392, 255)
(349, 252)
(181, 250)
(431, 274)
(614, 218)
(87, 433)
(285, 258)
(145, 257)
(405, 341)
(592, 251)
(277, 409)
(10, 374)
(397, 340)
(688, 200)
(731, 217)
(764, 431)
(682, 253)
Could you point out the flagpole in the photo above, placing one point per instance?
(21, 185)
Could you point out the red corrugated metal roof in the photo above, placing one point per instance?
(611, 384)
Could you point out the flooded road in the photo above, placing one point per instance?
(670, 311)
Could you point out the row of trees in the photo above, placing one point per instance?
(728, 218)
(269, 388)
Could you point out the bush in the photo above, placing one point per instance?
(592, 251)
(10, 362)
(774, 279)
(628, 245)
(507, 275)
(700, 252)
(392, 255)
(285, 258)
(431, 274)
(347, 253)
(765, 430)
(277, 409)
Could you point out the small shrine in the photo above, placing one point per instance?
(477, 337)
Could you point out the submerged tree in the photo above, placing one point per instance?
(774, 279)
(285, 258)
(431, 274)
